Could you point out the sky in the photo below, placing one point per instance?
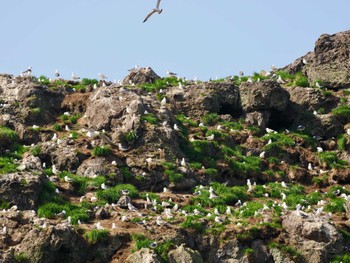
(193, 38)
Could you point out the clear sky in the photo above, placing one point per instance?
(199, 38)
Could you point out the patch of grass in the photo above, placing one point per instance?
(22, 257)
(341, 142)
(130, 136)
(57, 127)
(101, 151)
(141, 241)
(232, 125)
(335, 205)
(112, 194)
(127, 175)
(210, 119)
(301, 80)
(195, 165)
(342, 111)
(184, 120)
(44, 80)
(341, 259)
(249, 209)
(161, 84)
(97, 235)
(173, 176)
(279, 138)
(36, 150)
(331, 159)
(7, 165)
(91, 82)
(7, 135)
(70, 119)
(150, 118)
(287, 249)
(192, 222)
(346, 92)
(4, 204)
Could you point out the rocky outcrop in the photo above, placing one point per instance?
(184, 254)
(328, 63)
(144, 255)
(21, 189)
(316, 238)
(211, 97)
(140, 76)
(264, 103)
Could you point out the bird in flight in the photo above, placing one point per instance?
(154, 10)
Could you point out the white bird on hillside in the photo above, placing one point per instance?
(160, 221)
(268, 130)
(284, 184)
(183, 162)
(132, 208)
(171, 74)
(284, 196)
(309, 167)
(211, 137)
(218, 219)
(57, 74)
(103, 186)
(35, 126)
(154, 10)
(92, 134)
(98, 225)
(54, 137)
(55, 170)
(319, 211)
(262, 155)
(27, 72)
(318, 85)
(228, 210)
(114, 226)
(68, 179)
(348, 131)
(102, 76)
(75, 77)
(176, 128)
(163, 102)
(319, 149)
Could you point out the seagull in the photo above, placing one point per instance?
(171, 74)
(68, 179)
(55, 170)
(103, 186)
(27, 72)
(57, 74)
(102, 76)
(74, 77)
(154, 10)
(262, 155)
(268, 130)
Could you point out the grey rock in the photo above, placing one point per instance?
(313, 236)
(144, 255)
(184, 254)
(141, 75)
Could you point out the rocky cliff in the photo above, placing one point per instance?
(240, 169)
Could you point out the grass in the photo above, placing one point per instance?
(101, 151)
(7, 135)
(335, 205)
(21, 257)
(341, 142)
(4, 204)
(161, 84)
(210, 119)
(341, 259)
(57, 127)
(90, 82)
(279, 138)
(130, 136)
(331, 159)
(7, 165)
(287, 249)
(140, 241)
(36, 150)
(97, 235)
(112, 194)
(192, 222)
(184, 120)
(70, 119)
(301, 80)
(149, 118)
(343, 112)
(173, 176)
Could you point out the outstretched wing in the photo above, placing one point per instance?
(149, 15)
(158, 4)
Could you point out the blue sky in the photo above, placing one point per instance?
(199, 38)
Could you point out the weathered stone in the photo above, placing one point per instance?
(141, 75)
(144, 255)
(21, 189)
(313, 236)
(184, 254)
(123, 201)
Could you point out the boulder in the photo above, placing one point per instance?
(184, 254)
(21, 189)
(328, 63)
(316, 238)
(144, 255)
(123, 201)
(141, 75)
(208, 97)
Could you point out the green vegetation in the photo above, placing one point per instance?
(7, 165)
(140, 241)
(101, 151)
(289, 250)
(184, 120)
(341, 142)
(301, 80)
(341, 259)
(4, 204)
(97, 235)
(162, 84)
(57, 127)
(22, 257)
(331, 159)
(36, 150)
(112, 194)
(343, 112)
(210, 119)
(279, 138)
(150, 118)
(89, 82)
(70, 119)
(7, 135)
(336, 205)
(130, 136)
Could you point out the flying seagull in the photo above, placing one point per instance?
(154, 10)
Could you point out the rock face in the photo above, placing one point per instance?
(314, 237)
(141, 75)
(329, 63)
(184, 254)
(264, 103)
(21, 189)
(144, 255)
(212, 97)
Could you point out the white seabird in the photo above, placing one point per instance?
(154, 10)
(75, 77)
(27, 72)
(57, 74)
(171, 74)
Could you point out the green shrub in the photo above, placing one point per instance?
(91, 82)
(7, 135)
(36, 150)
(331, 159)
(336, 205)
(140, 241)
(342, 111)
(22, 257)
(301, 80)
(150, 118)
(181, 118)
(112, 195)
(7, 165)
(341, 142)
(192, 222)
(57, 127)
(341, 259)
(101, 151)
(210, 119)
(97, 235)
(130, 136)
(173, 176)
